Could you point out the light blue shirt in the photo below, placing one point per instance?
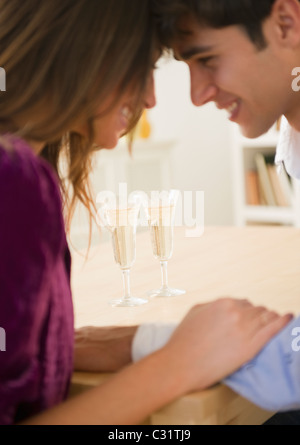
(272, 379)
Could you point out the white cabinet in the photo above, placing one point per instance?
(243, 155)
(147, 169)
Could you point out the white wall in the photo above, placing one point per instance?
(201, 159)
(202, 154)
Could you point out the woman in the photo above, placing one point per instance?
(79, 73)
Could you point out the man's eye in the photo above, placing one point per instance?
(205, 60)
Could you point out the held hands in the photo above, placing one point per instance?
(215, 339)
(211, 342)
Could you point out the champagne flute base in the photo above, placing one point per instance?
(165, 292)
(128, 302)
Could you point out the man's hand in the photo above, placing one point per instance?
(215, 339)
(103, 349)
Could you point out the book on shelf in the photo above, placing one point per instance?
(286, 185)
(276, 188)
(264, 179)
(253, 192)
(263, 201)
(282, 198)
(283, 190)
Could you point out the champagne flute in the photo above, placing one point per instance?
(161, 221)
(121, 222)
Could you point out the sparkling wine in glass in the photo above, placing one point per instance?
(161, 220)
(122, 224)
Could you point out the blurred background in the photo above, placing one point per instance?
(201, 156)
(183, 147)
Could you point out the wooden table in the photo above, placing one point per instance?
(258, 263)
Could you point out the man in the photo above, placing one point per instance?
(241, 55)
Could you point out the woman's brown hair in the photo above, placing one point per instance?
(62, 59)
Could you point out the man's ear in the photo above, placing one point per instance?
(285, 16)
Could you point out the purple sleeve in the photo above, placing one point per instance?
(28, 250)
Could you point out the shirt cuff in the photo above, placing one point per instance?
(149, 338)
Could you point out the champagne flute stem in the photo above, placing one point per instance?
(164, 274)
(126, 283)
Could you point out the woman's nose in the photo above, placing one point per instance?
(150, 98)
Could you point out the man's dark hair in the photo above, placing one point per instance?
(248, 14)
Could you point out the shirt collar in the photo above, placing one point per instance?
(288, 149)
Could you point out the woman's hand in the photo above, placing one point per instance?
(215, 339)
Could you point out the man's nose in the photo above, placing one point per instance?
(203, 89)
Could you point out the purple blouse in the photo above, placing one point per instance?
(36, 311)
